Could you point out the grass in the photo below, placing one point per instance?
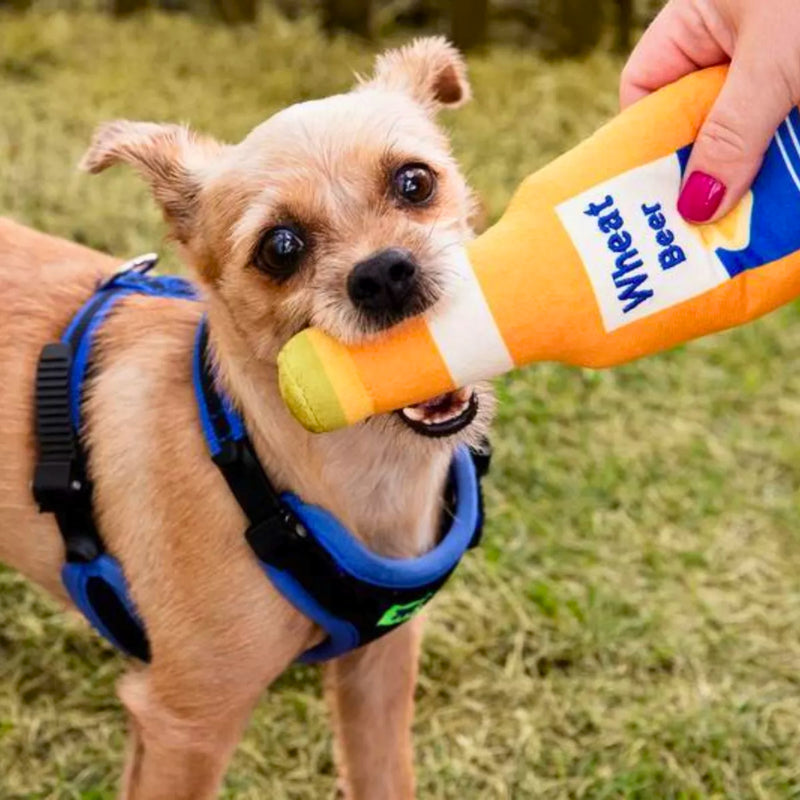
(631, 628)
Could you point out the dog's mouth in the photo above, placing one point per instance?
(443, 415)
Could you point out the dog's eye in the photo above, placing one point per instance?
(414, 183)
(279, 252)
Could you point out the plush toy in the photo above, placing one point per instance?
(590, 265)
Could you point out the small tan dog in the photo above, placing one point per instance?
(340, 213)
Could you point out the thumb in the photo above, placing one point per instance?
(730, 146)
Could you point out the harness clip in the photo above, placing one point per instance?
(482, 456)
(275, 538)
(56, 485)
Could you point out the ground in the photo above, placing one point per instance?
(630, 627)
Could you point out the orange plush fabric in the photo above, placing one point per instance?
(589, 265)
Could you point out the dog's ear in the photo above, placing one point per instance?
(431, 70)
(169, 158)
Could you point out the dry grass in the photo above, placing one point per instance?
(629, 630)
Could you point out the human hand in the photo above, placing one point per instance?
(761, 39)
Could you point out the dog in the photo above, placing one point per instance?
(344, 213)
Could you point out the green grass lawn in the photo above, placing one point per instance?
(631, 628)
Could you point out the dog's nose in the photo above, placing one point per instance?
(384, 283)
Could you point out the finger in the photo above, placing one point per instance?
(678, 41)
(730, 146)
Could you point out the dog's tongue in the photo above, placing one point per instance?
(443, 409)
(435, 403)
(443, 402)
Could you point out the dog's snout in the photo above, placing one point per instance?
(385, 282)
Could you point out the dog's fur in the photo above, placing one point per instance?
(219, 632)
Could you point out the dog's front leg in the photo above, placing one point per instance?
(182, 734)
(371, 695)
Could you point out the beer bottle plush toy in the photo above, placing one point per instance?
(590, 265)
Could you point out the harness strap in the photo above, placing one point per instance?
(221, 424)
(354, 595)
(270, 520)
(61, 485)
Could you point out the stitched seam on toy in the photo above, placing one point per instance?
(307, 407)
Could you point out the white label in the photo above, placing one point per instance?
(639, 254)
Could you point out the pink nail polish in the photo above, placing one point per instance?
(700, 197)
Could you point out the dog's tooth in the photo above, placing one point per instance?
(446, 416)
(423, 414)
(414, 414)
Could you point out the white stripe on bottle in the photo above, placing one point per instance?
(465, 331)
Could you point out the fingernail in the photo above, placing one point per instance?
(700, 197)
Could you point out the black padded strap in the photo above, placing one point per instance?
(271, 523)
(210, 396)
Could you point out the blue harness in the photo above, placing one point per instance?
(354, 595)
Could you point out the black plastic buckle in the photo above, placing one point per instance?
(275, 534)
(276, 538)
(57, 485)
(482, 457)
(82, 543)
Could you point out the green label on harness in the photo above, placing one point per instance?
(402, 612)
